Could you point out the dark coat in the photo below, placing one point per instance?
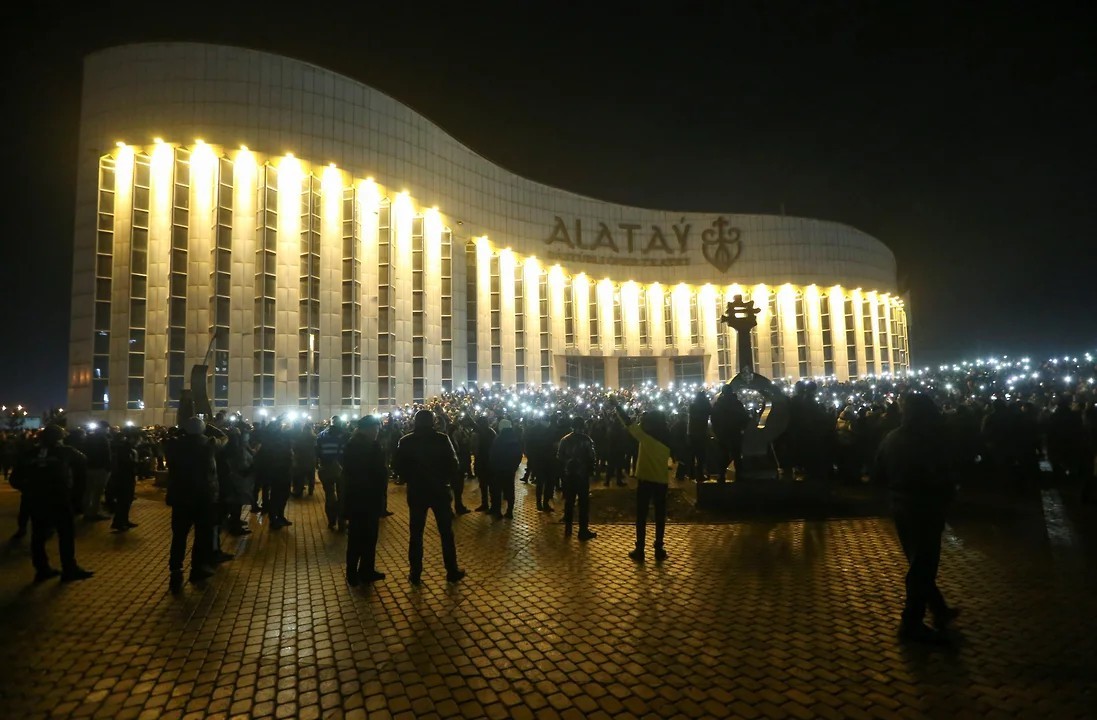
(192, 471)
(365, 476)
(425, 460)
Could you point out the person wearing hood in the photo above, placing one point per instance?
(192, 496)
(653, 437)
(506, 456)
(913, 463)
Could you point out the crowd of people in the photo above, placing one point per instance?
(995, 419)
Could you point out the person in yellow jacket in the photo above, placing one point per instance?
(653, 435)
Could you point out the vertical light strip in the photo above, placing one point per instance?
(531, 287)
(334, 241)
(403, 215)
(104, 285)
(483, 311)
(288, 340)
(580, 287)
(557, 286)
(630, 316)
(814, 318)
(680, 297)
(198, 272)
(242, 341)
(220, 287)
(887, 347)
(386, 311)
(786, 311)
(368, 199)
(154, 328)
(606, 321)
(434, 315)
(507, 264)
(418, 305)
(308, 300)
(706, 311)
(763, 354)
(656, 306)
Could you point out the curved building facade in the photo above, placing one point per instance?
(331, 251)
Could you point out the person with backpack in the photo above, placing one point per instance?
(44, 476)
(578, 459)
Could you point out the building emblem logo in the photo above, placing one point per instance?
(720, 244)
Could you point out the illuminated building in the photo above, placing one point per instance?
(345, 254)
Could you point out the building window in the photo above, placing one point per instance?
(447, 310)
(688, 370)
(828, 336)
(496, 331)
(221, 283)
(470, 311)
(618, 320)
(139, 268)
(579, 370)
(104, 265)
(266, 265)
(645, 325)
(883, 338)
(569, 315)
(592, 314)
(519, 328)
(802, 337)
(851, 336)
(386, 310)
(418, 363)
(695, 319)
(543, 315)
(351, 306)
(668, 319)
(308, 299)
(776, 336)
(177, 277)
(636, 371)
(867, 332)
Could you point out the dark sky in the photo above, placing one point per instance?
(963, 138)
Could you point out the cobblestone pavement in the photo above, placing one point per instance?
(751, 620)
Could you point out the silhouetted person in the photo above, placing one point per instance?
(578, 458)
(365, 480)
(329, 451)
(729, 420)
(426, 461)
(506, 456)
(699, 412)
(44, 476)
(485, 438)
(192, 497)
(99, 463)
(123, 479)
(913, 462)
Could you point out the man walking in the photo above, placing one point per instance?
(426, 461)
(913, 463)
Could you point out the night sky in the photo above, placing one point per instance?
(964, 139)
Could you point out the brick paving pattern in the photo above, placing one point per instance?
(749, 620)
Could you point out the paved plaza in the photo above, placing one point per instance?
(747, 619)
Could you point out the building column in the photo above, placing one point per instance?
(507, 344)
(786, 316)
(368, 203)
(814, 326)
(580, 309)
(874, 316)
(331, 293)
(403, 214)
(531, 319)
(432, 302)
(483, 311)
(839, 351)
(242, 337)
(662, 371)
(203, 186)
(656, 322)
(557, 286)
(888, 339)
(612, 372)
(288, 280)
(762, 339)
(161, 187)
(707, 310)
(607, 327)
(630, 317)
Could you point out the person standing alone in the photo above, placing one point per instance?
(365, 479)
(653, 436)
(426, 461)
